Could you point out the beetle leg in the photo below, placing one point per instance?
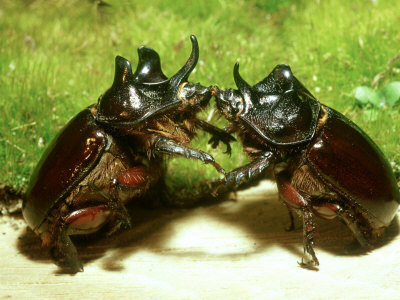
(296, 200)
(121, 216)
(217, 135)
(168, 146)
(252, 169)
(352, 224)
(291, 226)
(309, 260)
(63, 250)
(328, 209)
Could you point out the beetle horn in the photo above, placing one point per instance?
(149, 67)
(123, 71)
(184, 72)
(243, 86)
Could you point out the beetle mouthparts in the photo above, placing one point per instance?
(214, 90)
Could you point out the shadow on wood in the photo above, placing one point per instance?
(245, 224)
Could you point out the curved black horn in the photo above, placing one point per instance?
(123, 71)
(243, 86)
(149, 67)
(184, 72)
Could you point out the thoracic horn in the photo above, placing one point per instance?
(243, 86)
(149, 67)
(183, 74)
(123, 71)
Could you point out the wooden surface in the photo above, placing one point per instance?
(236, 249)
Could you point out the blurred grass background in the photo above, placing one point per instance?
(56, 57)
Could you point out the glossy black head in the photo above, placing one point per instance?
(137, 97)
(278, 108)
(194, 95)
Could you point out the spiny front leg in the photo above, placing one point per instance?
(252, 169)
(165, 145)
(296, 200)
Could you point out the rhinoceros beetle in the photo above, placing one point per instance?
(112, 152)
(322, 162)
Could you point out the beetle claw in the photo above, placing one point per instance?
(120, 223)
(309, 259)
(311, 265)
(215, 140)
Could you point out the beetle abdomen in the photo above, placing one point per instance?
(67, 160)
(353, 165)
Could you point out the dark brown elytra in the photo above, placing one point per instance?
(112, 152)
(323, 163)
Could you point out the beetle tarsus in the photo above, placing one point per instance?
(217, 135)
(309, 258)
(214, 142)
(214, 90)
(65, 254)
(250, 170)
(165, 145)
(307, 262)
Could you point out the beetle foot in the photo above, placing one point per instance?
(119, 224)
(219, 168)
(309, 262)
(165, 145)
(204, 157)
(251, 170)
(218, 135)
(65, 255)
(215, 140)
(309, 259)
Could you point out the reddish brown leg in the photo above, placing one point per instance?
(297, 201)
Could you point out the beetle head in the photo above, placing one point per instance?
(137, 97)
(194, 95)
(229, 103)
(278, 108)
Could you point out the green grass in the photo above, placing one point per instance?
(57, 57)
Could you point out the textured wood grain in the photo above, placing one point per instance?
(236, 249)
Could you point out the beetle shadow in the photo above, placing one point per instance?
(145, 222)
(148, 218)
(260, 216)
(149, 215)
